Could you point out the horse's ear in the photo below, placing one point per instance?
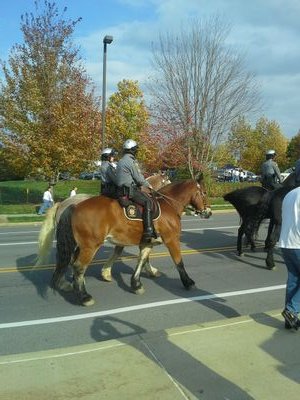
(199, 177)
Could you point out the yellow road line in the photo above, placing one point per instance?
(122, 258)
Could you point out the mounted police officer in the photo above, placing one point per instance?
(108, 173)
(130, 182)
(270, 173)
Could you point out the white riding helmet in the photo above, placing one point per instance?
(107, 151)
(129, 144)
(270, 153)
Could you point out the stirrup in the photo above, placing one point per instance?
(149, 239)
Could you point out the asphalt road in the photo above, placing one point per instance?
(33, 318)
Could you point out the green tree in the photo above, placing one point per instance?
(127, 117)
(49, 114)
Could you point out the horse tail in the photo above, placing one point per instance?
(46, 235)
(65, 247)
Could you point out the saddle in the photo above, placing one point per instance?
(134, 211)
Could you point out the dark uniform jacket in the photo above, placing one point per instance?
(108, 179)
(128, 173)
(270, 174)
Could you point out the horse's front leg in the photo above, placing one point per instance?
(151, 271)
(106, 269)
(268, 238)
(274, 236)
(239, 239)
(136, 284)
(175, 252)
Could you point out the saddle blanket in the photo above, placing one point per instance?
(135, 212)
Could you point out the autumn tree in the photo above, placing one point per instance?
(252, 143)
(200, 86)
(49, 114)
(127, 117)
(293, 149)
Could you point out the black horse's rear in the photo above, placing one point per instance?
(245, 200)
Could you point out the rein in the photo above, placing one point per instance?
(168, 199)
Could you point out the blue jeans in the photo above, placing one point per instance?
(46, 204)
(292, 297)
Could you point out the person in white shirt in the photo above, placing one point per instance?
(289, 242)
(73, 191)
(47, 201)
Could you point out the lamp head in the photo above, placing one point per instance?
(108, 39)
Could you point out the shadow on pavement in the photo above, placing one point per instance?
(180, 367)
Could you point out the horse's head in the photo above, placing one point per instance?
(159, 180)
(199, 199)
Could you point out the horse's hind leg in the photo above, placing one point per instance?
(79, 267)
(136, 284)
(106, 269)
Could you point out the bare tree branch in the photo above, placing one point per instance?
(200, 86)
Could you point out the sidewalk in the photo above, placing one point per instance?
(250, 357)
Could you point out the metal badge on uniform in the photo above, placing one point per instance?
(131, 211)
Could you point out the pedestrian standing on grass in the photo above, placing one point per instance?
(289, 242)
(73, 191)
(47, 201)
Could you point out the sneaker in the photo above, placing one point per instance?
(290, 319)
(287, 325)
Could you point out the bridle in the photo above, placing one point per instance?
(206, 211)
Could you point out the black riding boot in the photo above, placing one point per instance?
(149, 236)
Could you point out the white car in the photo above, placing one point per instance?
(286, 173)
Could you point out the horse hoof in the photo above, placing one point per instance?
(66, 287)
(88, 301)
(240, 254)
(106, 276)
(271, 267)
(153, 274)
(140, 290)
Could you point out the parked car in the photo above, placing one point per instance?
(86, 175)
(287, 172)
(64, 176)
(252, 177)
(90, 175)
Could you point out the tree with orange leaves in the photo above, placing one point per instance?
(50, 119)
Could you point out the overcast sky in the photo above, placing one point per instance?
(267, 31)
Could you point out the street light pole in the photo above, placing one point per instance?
(106, 40)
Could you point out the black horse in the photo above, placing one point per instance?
(254, 204)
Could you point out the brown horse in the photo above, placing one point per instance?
(52, 218)
(83, 228)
